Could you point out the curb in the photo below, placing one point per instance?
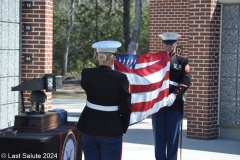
(71, 82)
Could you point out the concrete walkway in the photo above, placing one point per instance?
(139, 145)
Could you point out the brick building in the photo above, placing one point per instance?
(37, 43)
(210, 39)
(25, 51)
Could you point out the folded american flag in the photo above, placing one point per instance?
(148, 75)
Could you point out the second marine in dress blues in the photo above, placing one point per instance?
(166, 122)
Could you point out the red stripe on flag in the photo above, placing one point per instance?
(141, 71)
(147, 67)
(143, 58)
(147, 88)
(144, 106)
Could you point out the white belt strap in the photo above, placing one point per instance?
(102, 108)
(173, 83)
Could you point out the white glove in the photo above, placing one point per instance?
(171, 98)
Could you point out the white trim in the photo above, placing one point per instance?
(229, 1)
(102, 108)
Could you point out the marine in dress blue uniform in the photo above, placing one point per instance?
(106, 115)
(166, 122)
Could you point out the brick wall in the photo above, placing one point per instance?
(196, 22)
(170, 16)
(37, 43)
(203, 46)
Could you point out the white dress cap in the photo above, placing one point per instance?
(169, 36)
(107, 46)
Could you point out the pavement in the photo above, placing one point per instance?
(138, 143)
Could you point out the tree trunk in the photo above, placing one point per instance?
(96, 12)
(110, 7)
(68, 30)
(126, 22)
(132, 47)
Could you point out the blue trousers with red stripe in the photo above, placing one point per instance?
(166, 128)
(99, 148)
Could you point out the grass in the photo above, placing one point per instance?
(56, 95)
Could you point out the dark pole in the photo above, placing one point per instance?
(23, 107)
(181, 130)
(126, 23)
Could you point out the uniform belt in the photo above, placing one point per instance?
(102, 108)
(174, 83)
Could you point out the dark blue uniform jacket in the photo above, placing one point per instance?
(179, 73)
(105, 87)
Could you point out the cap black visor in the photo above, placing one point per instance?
(169, 41)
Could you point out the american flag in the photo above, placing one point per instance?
(148, 75)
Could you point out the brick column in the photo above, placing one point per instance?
(37, 43)
(203, 46)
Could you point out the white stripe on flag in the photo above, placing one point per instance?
(143, 65)
(152, 78)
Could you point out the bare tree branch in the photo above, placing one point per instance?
(126, 22)
(68, 30)
(132, 47)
